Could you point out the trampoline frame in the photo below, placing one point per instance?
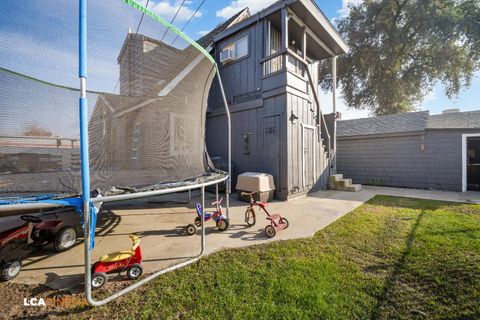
(85, 169)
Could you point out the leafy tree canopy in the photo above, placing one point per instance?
(400, 48)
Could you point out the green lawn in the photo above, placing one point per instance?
(392, 258)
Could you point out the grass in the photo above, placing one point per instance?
(391, 258)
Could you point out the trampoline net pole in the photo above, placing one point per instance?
(229, 138)
(203, 220)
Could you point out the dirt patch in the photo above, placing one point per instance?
(15, 299)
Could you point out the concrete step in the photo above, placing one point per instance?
(337, 182)
(336, 177)
(352, 188)
(343, 183)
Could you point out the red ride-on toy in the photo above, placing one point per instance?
(277, 222)
(116, 262)
(217, 216)
(17, 243)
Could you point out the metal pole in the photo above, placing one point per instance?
(83, 111)
(88, 287)
(203, 219)
(229, 127)
(334, 98)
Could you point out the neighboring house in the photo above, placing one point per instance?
(269, 66)
(155, 129)
(413, 150)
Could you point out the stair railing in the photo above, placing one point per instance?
(320, 117)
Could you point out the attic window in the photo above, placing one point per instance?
(235, 50)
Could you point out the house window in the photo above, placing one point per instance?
(235, 50)
(274, 44)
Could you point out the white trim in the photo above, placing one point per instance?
(309, 127)
(235, 53)
(313, 8)
(464, 158)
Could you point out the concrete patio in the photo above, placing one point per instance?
(164, 241)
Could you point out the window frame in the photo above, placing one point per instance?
(234, 44)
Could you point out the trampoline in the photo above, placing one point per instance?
(145, 132)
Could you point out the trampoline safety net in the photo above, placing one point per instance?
(147, 93)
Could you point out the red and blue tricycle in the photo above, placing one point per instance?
(217, 216)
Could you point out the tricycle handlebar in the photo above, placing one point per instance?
(219, 202)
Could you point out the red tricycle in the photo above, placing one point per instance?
(129, 260)
(277, 222)
(17, 243)
(217, 216)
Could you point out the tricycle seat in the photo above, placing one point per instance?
(198, 206)
(116, 256)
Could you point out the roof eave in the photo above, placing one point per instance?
(315, 10)
(311, 8)
(381, 135)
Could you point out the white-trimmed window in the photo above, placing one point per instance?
(234, 51)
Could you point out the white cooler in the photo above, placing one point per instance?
(260, 183)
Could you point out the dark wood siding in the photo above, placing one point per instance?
(241, 78)
(255, 100)
(429, 161)
(302, 108)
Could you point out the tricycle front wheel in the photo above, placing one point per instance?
(222, 224)
(250, 218)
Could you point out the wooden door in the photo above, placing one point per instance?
(308, 157)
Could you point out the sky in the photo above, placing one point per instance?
(40, 39)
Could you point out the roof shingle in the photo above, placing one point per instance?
(455, 120)
(396, 123)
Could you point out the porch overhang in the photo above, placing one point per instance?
(319, 27)
(313, 18)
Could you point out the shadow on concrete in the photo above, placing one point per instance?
(249, 235)
(106, 223)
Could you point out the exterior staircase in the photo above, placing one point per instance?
(337, 182)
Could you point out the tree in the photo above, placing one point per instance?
(399, 49)
(35, 131)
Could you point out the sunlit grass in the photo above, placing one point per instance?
(392, 258)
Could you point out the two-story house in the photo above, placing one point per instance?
(269, 67)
